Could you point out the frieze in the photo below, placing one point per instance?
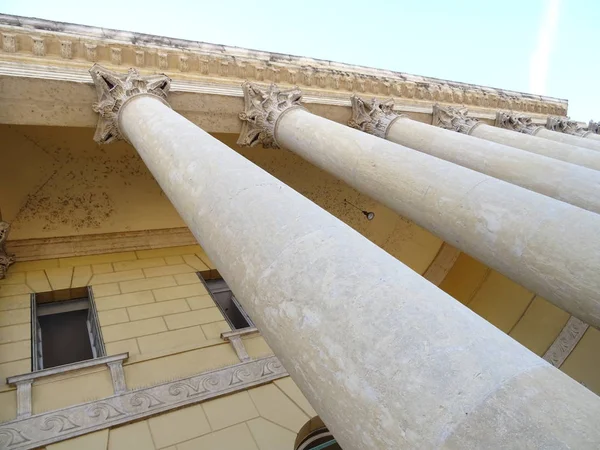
(566, 341)
(55, 426)
(90, 44)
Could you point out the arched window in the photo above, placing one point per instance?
(314, 435)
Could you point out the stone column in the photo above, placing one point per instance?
(558, 179)
(535, 240)
(386, 358)
(525, 140)
(570, 127)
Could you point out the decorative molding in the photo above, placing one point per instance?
(441, 264)
(38, 46)
(96, 244)
(117, 375)
(116, 56)
(566, 341)
(516, 122)
(9, 42)
(564, 125)
(262, 110)
(212, 61)
(594, 127)
(66, 49)
(24, 403)
(454, 119)
(6, 259)
(55, 426)
(140, 58)
(235, 338)
(375, 118)
(183, 63)
(114, 89)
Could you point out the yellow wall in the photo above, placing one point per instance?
(58, 182)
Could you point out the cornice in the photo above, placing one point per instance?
(51, 43)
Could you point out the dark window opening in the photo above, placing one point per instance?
(65, 328)
(225, 300)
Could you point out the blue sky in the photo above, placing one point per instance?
(548, 47)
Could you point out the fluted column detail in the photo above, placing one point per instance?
(454, 119)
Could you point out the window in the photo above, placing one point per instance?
(64, 328)
(225, 300)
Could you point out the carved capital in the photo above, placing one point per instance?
(6, 259)
(516, 122)
(564, 125)
(594, 127)
(114, 89)
(262, 109)
(374, 118)
(454, 119)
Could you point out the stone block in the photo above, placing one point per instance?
(172, 293)
(98, 269)
(14, 333)
(273, 405)
(15, 351)
(127, 346)
(146, 284)
(237, 437)
(105, 290)
(168, 270)
(139, 264)
(269, 436)
(124, 300)
(186, 338)
(81, 276)
(229, 410)
(200, 301)
(38, 281)
(190, 318)
(195, 262)
(214, 330)
(96, 259)
(178, 426)
(113, 316)
(15, 277)
(26, 266)
(15, 316)
(11, 290)
(176, 259)
(187, 278)
(8, 400)
(290, 389)
(257, 347)
(92, 441)
(12, 368)
(129, 437)
(117, 276)
(129, 330)
(167, 251)
(15, 302)
(60, 277)
(157, 309)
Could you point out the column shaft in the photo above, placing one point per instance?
(565, 152)
(546, 245)
(386, 359)
(567, 182)
(567, 139)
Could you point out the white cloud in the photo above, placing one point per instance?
(540, 58)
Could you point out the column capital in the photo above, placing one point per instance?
(564, 125)
(516, 122)
(454, 119)
(594, 127)
(6, 259)
(262, 110)
(114, 89)
(374, 118)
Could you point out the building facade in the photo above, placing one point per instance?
(164, 285)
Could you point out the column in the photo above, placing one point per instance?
(386, 358)
(535, 240)
(447, 116)
(558, 179)
(572, 128)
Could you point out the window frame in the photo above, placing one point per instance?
(94, 329)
